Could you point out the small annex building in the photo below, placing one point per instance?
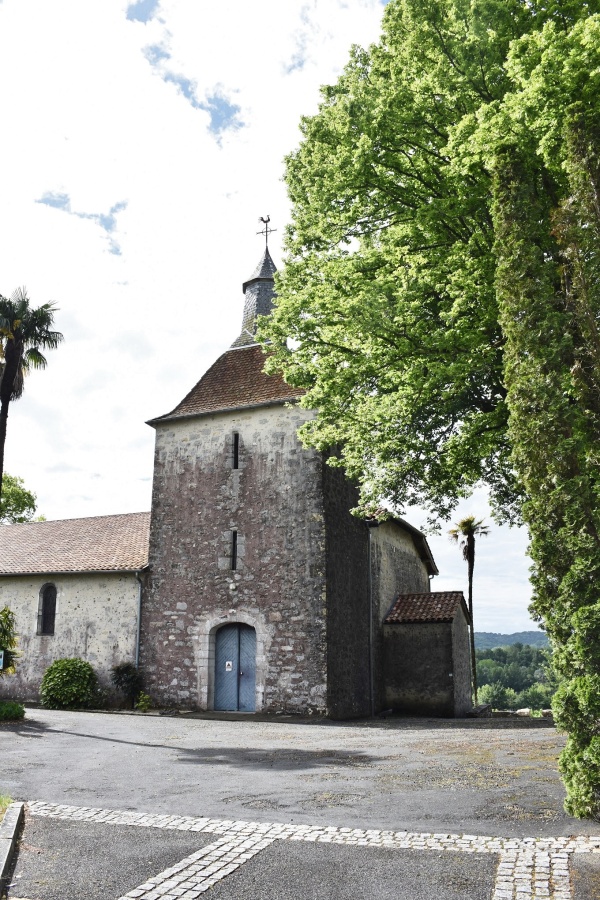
(74, 586)
(416, 680)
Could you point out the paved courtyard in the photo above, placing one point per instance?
(157, 807)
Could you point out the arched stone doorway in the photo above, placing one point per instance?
(235, 668)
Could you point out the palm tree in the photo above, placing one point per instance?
(464, 534)
(24, 333)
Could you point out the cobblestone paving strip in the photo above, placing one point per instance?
(198, 872)
(528, 868)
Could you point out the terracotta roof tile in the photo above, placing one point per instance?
(236, 380)
(97, 544)
(435, 606)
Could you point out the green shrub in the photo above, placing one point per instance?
(494, 694)
(538, 696)
(497, 695)
(127, 679)
(68, 684)
(144, 702)
(9, 710)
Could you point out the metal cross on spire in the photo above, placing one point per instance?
(266, 230)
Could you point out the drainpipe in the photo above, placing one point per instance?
(371, 523)
(139, 619)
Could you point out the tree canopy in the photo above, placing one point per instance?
(388, 294)
(17, 504)
(440, 298)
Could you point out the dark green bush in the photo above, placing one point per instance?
(127, 679)
(9, 710)
(68, 684)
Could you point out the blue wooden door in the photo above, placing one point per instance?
(247, 680)
(235, 668)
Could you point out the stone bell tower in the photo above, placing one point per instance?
(259, 595)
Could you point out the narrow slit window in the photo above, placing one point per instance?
(47, 610)
(236, 450)
(234, 541)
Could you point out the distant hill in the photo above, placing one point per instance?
(486, 640)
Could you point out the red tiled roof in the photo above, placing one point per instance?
(436, 606)
(236, 380)
(96, 544)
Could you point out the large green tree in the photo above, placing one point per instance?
(544, 149)
(24, 332)
(17, 505)
(439, 301)
(388, 288)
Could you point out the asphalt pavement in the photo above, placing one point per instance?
(345, 794)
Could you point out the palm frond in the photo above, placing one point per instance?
(26, 332)
(19, 295)
(34, 359)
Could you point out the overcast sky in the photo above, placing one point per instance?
(141, 142)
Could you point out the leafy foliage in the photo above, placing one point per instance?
(8, 640)
(17, 504)
(68, 684)
(144, 702)
(24, 333)
(498, 696)
(487, 640)
(388, 290)
(10, 711)
(547, 219)
(515, 677)
(127, 678)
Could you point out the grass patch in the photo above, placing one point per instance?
(4, 804)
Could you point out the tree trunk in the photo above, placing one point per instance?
(3, 421)
(471, 566)
(13, 356)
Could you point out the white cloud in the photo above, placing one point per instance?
(131, 187)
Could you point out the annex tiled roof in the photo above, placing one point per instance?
(96, 544)
(435, 606)
(236, 380)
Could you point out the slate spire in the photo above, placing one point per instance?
(259, 291)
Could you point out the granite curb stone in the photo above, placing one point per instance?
(9, 831)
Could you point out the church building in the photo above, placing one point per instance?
(264, 592)
(256, 590)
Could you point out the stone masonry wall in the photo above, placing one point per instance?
(274, 502)
(96, 619)
(348, 675)
(461, 665)
(418, 667)
(396, 569)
